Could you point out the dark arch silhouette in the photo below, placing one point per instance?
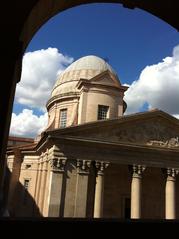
(20, 20)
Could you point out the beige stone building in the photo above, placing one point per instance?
(93, 161)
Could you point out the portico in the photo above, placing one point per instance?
(146, 174)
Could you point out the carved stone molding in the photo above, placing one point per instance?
(149, 132)
(137, 170)
(56, 159)
(171, 173)
(58, 164)
(171, 143)
(83, 166)
(43, 157)
(101, 166)
(40, 159)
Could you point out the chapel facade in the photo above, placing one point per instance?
(92, 160)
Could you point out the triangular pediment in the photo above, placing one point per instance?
(156, 129)
(105, 78)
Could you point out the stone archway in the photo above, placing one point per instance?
(19, 21)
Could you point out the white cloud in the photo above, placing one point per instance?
(158, 86)
(176, 116)
(39, 73)
(27, 124)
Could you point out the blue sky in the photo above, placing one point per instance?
(130, 39)
(134, 42)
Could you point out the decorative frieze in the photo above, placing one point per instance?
(83, 166)
(171, 143)
(101, 166)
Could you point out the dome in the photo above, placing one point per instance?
(84, 68)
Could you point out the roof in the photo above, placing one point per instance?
(116, 121)
(150, 127)
(20, 143)
(84, 68)
(20, 139)
(90, 62)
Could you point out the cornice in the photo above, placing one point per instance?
(120, 120)
(120, 153)
(62, 97)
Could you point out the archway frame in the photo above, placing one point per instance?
(24, 19)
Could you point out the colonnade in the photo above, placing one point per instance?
(57, 172)
(136, 190)
(170, 197)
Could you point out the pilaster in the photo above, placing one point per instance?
(57, 167)
(83, 168)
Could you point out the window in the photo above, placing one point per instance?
(63, 118)
(27, 166)
(26, 187)
(26, 184)
(102, 112)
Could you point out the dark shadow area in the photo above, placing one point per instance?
(62, 204)
(4, 200)
(91, 191)
(18, 202)
(110, 228)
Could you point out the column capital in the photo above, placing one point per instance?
(137, 170)
(171, 173)
(56, 159)
(101, 166)
(83, 166)
(58, 164)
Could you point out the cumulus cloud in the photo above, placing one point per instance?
(39, 73)
(176, 116)
(157, 87)
(27, 123)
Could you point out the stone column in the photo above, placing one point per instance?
(41, 189)
(170, 210)
(43, 183)
(57, 163)
(47, 188)
(83, 167)
(36, 210)
(136, 191)
(39, 181)
(98, 204)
